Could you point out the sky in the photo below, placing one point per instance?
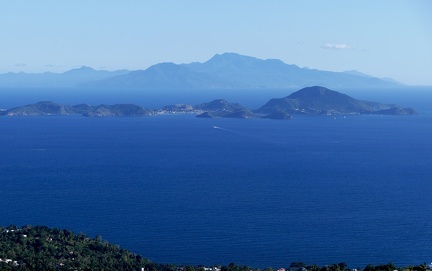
(386, 38)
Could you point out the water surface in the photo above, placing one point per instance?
(179, 189)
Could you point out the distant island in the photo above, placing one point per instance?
(314, 100)
(31, 248)
(222, 71)
(322, 101)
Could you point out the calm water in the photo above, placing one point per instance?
(256, 192)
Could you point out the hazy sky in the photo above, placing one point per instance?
(386, 38)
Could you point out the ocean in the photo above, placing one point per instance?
(185, 190)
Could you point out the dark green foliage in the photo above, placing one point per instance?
(419, 268)
(43, 248)
(234, 267)
(386, 267)
(335, 267)
(297, 265)
(312, 267)
(47, 249)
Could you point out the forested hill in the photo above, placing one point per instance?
(43, 248)
(40, 248)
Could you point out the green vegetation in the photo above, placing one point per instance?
(42, 248)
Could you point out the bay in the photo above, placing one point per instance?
(184, 190)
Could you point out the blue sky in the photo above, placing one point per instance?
(387, 38)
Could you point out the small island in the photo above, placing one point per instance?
(323, 101)
(307, 101)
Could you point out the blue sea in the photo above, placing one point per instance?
(185, 190)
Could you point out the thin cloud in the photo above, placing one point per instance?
(20, 65)
(335, 46)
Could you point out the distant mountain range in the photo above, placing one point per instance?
(225, 71)
(71, 78)
(308, 101)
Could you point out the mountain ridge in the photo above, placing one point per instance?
(222, 71)
(70, 78)
(317, 100)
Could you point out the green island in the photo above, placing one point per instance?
(42, 248)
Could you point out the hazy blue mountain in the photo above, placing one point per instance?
(87, 74)
(70, 78)
(224, 71)
(249, 72)
(243, 71)
(160, 76)
(234, 71)
(322, 101)
(357, 73)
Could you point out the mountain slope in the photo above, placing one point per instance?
(48, 108)
(234, 71)
(251, 72)
(221, 108)
(45, 108)
(69, 78)
(320, 100)
(160, 76)
(219, 105)
(224, 71)
(248, 72)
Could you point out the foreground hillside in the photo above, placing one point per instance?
(43, 248)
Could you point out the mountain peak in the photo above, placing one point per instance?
(222, 71)
(81, 70)
(238, 58)
(232, 58)
(312, 92)
(165, 66)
